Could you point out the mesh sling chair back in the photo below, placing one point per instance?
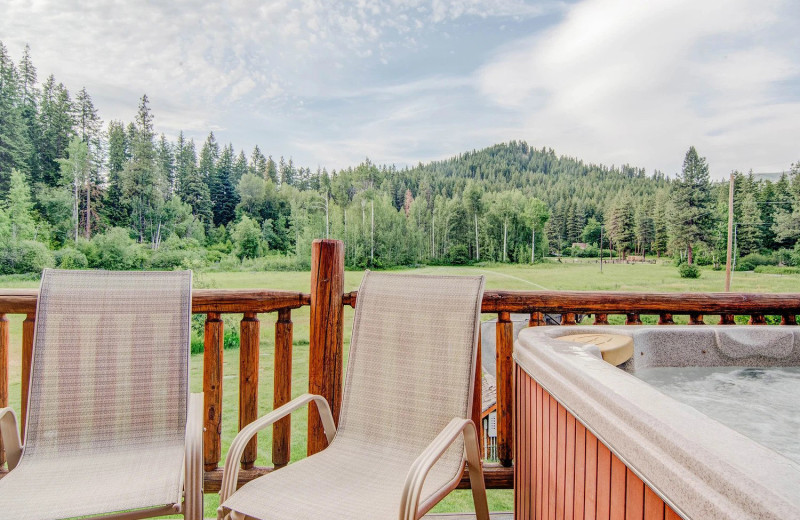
(111, 429)
(404, 426)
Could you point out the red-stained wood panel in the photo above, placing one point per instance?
(603, 481)
(569, 483)
(653, 505)
(561, 461)
(634, 497)
(618, 506)
(545, 455)
(539, 452)
(590, 501)
(565, 472)
(580, 469)
(553, 485)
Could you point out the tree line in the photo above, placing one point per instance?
(82, 193)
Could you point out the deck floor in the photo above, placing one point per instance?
(468, 516)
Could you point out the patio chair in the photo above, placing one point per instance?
(111, 430)
(404, 425)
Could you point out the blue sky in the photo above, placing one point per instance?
(402, 81)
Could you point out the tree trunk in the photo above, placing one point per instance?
(88, 210)
(505, 240)
(689, 254)
(75, 214)
(533, 244)
(477, 246)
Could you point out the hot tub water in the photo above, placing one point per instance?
(760, 403)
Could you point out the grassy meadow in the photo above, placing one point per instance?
(552, 276)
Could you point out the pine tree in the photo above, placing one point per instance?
(116, 212)
(191, 187)
(89, 129)
(13, 147)
(620, 225)
(258, 163)
(56, 124)
(165, 167)
(223, 195)
(691, 217)
(29, 114)
(239, 168)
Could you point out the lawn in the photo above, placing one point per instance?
(553, 276)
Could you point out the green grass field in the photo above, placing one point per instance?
(553, 276)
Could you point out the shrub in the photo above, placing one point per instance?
(174, 259)
(689, 271)
(25, 256)
(756, 259)
(114, 250)
(459, 254)
(69, 258)
(774, 269)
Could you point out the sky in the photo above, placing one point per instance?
(331, 82)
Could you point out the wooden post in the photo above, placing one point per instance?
(27, 365)
(212, 390)
(665, 319)
(282, 388)
(568, 318)
(326, 334)
(477, 397)
(601, 319)
(505, 397)
(249, 335)
(633, 319)
(789, 319)
(696, 319)
(536, 319)
(757, 319)
(5, 362)
(727, 319)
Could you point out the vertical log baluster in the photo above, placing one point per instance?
(633, 319)
(477, 396)
(789, 319)
(568, 318)
(5, 348)
(504, 348)
(212, 390)
(536, 319)
(757, 319)
(325, 365)
(601, 319)
(727, 319)
(282, 388)
(27, 365)
(249, 335)
(665, 319)
(696, 319)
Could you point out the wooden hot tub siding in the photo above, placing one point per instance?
(563, 471)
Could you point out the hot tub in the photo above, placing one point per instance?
(595, 441)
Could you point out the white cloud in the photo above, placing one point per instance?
(641, 81)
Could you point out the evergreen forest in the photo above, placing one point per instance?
(78, 192)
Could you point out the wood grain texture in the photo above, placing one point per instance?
(5, 364)
(325, 364)
(249, 336)
(212, 390)
(282, 388)
(505, 402)
(572, 474)
(28, 326)
(477, 400)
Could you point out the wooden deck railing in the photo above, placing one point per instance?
(326, 365)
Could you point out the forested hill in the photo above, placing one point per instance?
(76, 191)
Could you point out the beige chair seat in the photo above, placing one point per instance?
(37, 489)
(374, 477)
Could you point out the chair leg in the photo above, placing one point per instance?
(475, 468)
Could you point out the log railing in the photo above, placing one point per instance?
(326, 363)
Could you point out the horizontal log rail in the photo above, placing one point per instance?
(326, 364)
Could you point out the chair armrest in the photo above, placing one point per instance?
(230, 472)
(415, 478)
(193, 487)
(10, 435)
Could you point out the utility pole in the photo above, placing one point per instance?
(730, 237)
(533, 245)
